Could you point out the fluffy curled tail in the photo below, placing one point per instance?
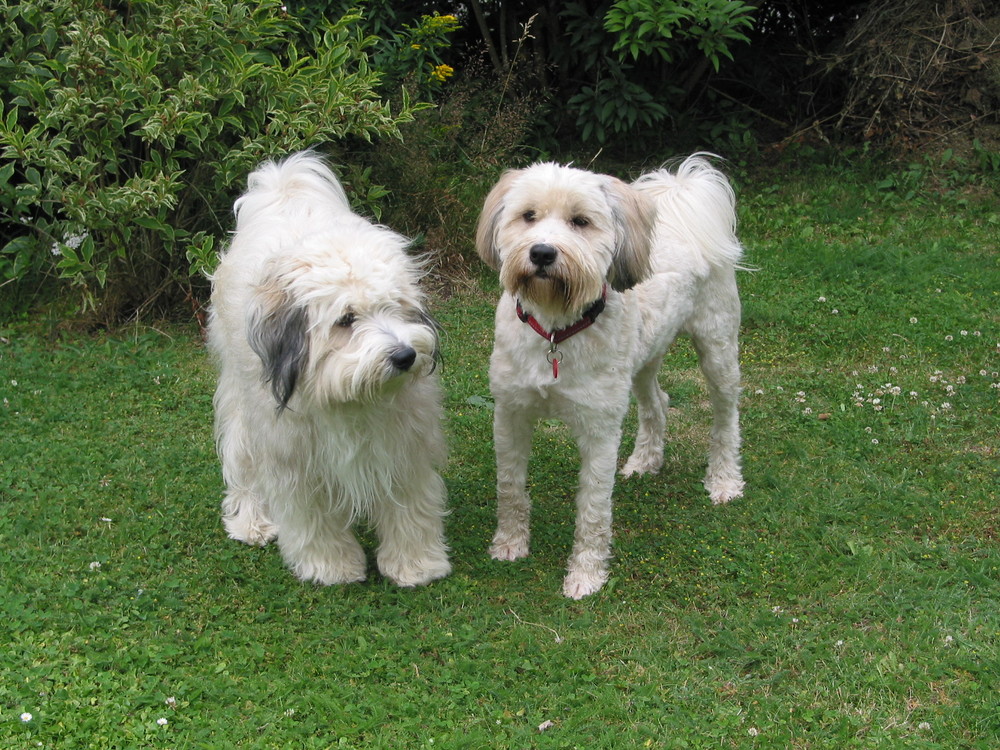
(696, 200)
(302, 182)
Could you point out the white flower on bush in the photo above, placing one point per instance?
(72, 241)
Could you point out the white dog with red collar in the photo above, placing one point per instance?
(599, 277)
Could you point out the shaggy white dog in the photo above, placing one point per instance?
(599, 277)
(327, 409)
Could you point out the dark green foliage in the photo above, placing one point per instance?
(128, 130)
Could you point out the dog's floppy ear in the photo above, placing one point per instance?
(634, 217)
(277, 331)
(489, 220)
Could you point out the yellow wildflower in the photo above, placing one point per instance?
(441, 73)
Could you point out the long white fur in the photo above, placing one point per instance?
(357, 437)
(674, 236)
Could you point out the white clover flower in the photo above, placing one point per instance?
(821, 299)
(96, 565)
(924, 726)
(874, 441)
(753, 731)
(73, 241)
(964, 333)
(171, 701)
(913, 320)
(949, 337)
(161, 721)
(26, 717)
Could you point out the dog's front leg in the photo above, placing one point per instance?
(410, 528)
(317, 543)
(512, 441)
(588, 563)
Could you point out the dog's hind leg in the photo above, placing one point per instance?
(512, 441)
(653, 402)
(719, 360)
(244, 519)
(410, 528)
(244, 515)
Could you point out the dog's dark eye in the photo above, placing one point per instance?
(347, 320)
(580, 221)
(528, 216)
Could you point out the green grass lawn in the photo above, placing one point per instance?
(850, 600)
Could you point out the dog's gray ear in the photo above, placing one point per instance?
(489, 220)
(634, 217)
(431, 322)
(277, 331)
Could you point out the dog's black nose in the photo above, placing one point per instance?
(542, 255)
(403, 358)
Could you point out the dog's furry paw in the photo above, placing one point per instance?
(579, 584)
(721, 491)
(327, 573)
(409, 573)
(637, 464)
(507, 548)
(257, 532)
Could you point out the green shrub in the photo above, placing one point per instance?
(130, 129)
(643, 57)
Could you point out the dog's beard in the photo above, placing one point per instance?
(548, 292)
(556, 289)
